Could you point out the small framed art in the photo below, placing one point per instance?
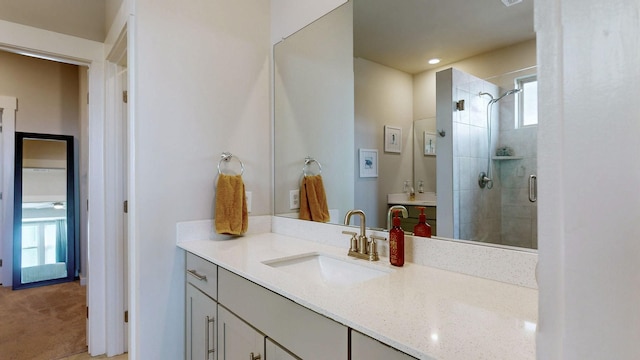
(368, 163)
(392, 139)
(429, 143)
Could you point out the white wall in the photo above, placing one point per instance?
(383, 96)
(201, 87)
(588, 179)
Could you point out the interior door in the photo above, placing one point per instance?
(44, 244)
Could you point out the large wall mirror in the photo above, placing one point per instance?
(343, 79)
(44, 210)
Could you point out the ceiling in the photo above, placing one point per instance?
(81, 18)
(404, 34)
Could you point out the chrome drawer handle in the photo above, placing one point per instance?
(208, 349)
(197, 276)
(255, 357)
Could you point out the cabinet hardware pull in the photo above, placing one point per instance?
(197, 276)
(533, 188)
(255, 357)
(208, 349)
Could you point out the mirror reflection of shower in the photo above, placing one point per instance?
(485, 179)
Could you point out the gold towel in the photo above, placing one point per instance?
(231, 206)
(313, 200)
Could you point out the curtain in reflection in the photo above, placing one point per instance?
(61, 240)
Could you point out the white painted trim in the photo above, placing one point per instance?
(69, 49)
(114, 250)
(114, 36)
(50, 45)
(9, 106)
(96, 264)
(134, 273)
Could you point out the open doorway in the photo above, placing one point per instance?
(45, 40)
(52, 100)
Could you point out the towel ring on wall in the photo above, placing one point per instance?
(226, 157)
(306, 168)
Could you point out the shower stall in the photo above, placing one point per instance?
(488, 189)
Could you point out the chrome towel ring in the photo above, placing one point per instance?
(226, 157)
(306, 168)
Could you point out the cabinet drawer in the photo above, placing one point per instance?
(202, 274)
(305, 333)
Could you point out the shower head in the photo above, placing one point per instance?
(510, 92)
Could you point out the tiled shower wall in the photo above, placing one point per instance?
(503, 214)
(476, 210)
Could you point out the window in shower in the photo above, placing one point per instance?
(527, 101)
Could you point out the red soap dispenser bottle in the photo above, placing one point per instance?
(422, 228)
(396, 242)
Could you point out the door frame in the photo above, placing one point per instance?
(9, 106)
(118, 180)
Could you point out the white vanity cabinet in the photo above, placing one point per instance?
(200, 308)
(301, 331)
(229, 317)
(200, 325)
(366, 348)
(236, 339)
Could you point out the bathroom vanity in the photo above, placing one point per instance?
(282, 297)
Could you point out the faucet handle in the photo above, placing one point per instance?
(373, 247)
(354, 240)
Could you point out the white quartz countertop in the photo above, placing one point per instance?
(422, 311)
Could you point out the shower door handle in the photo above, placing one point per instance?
(533, 188)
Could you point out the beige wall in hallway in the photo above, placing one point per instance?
(47, 93)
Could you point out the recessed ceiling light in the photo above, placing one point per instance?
(434, 61)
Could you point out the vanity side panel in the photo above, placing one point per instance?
(303, 332)
(366, 348)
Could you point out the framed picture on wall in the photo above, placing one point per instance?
(429, 143)
(368, 163)
(392, 139)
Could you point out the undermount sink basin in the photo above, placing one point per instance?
(328, 269)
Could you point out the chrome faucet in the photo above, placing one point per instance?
(361, 247)
(405, 214)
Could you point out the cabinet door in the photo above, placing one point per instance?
(366, 348)
(200, 316)
(236, 339)
(275, 352)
